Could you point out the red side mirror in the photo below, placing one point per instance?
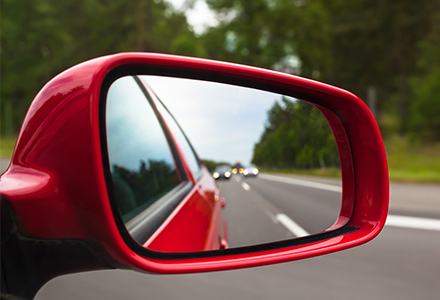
(58, 184)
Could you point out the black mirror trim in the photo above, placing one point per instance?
(256, 248)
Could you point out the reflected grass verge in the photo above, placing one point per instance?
(7, 145)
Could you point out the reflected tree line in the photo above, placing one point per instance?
(296, 136)
(135, 190)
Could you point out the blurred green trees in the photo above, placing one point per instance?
(296, 136)
(41, 38)
(389, 47)
(425, 85)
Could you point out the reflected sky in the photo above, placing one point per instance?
(133, 131)
(223, 122)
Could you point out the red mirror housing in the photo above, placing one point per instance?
(56, 183)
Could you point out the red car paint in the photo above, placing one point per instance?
(194, 218)
(56, 184)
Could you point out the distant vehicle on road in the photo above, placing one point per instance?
(251, 171)
(238, 168)
(222, 172)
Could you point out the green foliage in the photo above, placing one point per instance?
(425, 87)
(409, 161)
(297, 136)
(7, 146)
(375, 44)
(271, 34)
(41, 38)
(390, 45)
(352, 44)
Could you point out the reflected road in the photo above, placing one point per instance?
(259, 210)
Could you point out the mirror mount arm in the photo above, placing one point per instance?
(28, 263)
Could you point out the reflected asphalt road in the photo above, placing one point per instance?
(402, 263)
(254, 207)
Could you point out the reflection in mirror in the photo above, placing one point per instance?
(272, 158)
(142, 168)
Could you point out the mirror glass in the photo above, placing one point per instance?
(199, 165)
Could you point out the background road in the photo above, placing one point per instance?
(257, 208)
(402, 263)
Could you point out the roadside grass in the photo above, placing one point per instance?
(408, 161)
(7, 145)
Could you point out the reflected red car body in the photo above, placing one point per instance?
(196, 225)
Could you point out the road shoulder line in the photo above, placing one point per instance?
(291, 225)
(413, 222)
(306, 183)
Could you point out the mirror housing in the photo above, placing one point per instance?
(57, 187)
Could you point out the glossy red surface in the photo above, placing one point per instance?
(196, 225)
(57, 188)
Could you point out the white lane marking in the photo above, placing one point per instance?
(237, 178)
(245, 186)
(392, 220)
(312, 184)
(293, 227)
(413, 222)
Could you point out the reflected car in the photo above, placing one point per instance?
(237, 169)
(251, 171)
(222, 172)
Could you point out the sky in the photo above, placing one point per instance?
(223, 122)
(199, 17)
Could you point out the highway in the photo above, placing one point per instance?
(402, 263)
(265, 209)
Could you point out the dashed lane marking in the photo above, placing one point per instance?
(291, 225)
(392, 220)
(245, 186)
